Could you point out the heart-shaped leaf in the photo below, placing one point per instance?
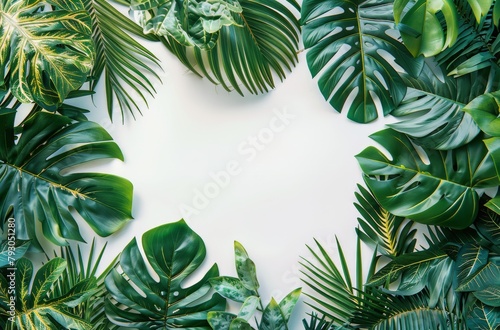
(173, 251)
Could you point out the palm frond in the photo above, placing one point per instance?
(380, 229)
(126, 65)
(246, 57)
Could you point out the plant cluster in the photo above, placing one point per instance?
(434, 64)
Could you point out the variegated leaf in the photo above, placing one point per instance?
(46, 49)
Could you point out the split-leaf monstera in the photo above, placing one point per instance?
(354, 48)
(39, 183)
(438, 191)
(174, 251)
(46, 49)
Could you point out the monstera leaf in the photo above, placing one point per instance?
(439, 191)
(39, 305)
(351, 46)
(174, 252)
(420, 25)
(248, 54)
(189, 22)
(46, 49)
(39, 182)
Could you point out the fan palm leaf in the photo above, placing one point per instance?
(125, 64)
(263, 41)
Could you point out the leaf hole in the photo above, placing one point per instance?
(381, 79)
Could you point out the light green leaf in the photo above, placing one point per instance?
(239, 324)
(287, 304)
(480, 8)
(420, 25)
(248, 308)
(231, 288)
(439, 191)
(245, 268)
(350, 46)
(220, 320)
(40, 187)
(272, 317)
(174, 251)
(46, 50)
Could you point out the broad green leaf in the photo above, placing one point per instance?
(128, 67)
(416, 264)
(40, 183)
(231, 288)
(353, 49)
(489, 295)
(220, 320)
(485, 110)
(421, 28)
(483, 317)
(380, 229)
(272, 317)
(287, 304)
(46, 49)
(439, 191)
(480, 8)
(488, 275)
(173, 251)
(248, 308)
(245, 268)
(12, 250)
(239, 324)
(40, 308)
(189, 22)
(251, 53)
(431, 112)
(470, 260)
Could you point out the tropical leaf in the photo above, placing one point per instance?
(431, 112)
(485, 110)
(231, 288)
(488, 224)
(39, 182)
(12, 250)
(174, 252)
(38, 307)
(245, 268)
(189, 22)
(421, 28)
(262, 43)
(382, 230)
(354, 50)
(46, 49)
(439, 191)
(483, 317)
(126, 65)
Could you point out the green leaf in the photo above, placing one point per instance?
(173, 251)
(351, 47)
(41, 308)
(485, 110)
(262, 44)
(245, 268)
(42, 184)
(272, 317)
(440, 191)
(248, 307)
(488, 224)
(287, 304)
(46, 50)
(470, 260)
(231, 288)
(420, 26)
(480, 8)
(431, 112)
(380, 229)
(220, 320)
(488, 275)
(239, 324)
(416, 264)
(190, 23)
(126, 65)
(483, 317)
(490, 295)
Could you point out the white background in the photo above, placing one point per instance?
(300, 187)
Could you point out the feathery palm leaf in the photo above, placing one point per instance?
(263, 41)
(126, 64)
(354, 50)
(381, 229)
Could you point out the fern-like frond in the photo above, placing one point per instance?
(127, 66)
